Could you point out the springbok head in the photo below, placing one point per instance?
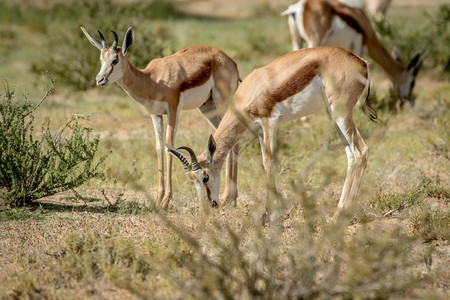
(111, 58)
(201, 172)
(404, 91)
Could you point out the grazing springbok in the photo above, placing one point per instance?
(376, 8)
(202, 77)
(332, 23)
(295, 85)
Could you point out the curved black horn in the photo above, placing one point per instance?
(186, 165)
(194, 162)
(104, 45)
(114, 45)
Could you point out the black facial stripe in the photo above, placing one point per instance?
(107, 76)
(208, 193)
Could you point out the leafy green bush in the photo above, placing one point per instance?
(432, 36)
(10, 13)
(36, 165)
(72, 59)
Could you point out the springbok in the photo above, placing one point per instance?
(376, 8)
(295, 85)
(202, 77)
(332, 23)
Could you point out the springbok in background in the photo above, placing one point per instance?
(376, 8)
(332, 23)
(202, 77)
(295, 85)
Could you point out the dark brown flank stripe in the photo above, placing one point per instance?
(198, 78)
(290, 87)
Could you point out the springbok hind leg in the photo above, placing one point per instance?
(357, 154)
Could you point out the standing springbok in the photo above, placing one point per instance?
(202, 77)
(295, 85)
(332, 23)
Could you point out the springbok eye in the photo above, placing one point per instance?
(115, 61)
(205, 179)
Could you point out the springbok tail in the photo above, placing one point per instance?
(367, 106)
(289, 11)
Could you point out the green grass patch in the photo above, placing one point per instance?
(386, 203)
(430, 224)
(20, 214)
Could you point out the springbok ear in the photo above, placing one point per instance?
(396, 55)
(94, 41)
(414, 62)
(127, 41)
(210, 149)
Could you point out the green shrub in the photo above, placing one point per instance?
(36, 165)
(433, 35)
(10, 13)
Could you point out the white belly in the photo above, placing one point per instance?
(342, 35)
(193, 98)
(354, 3)
(155, 107)
(307, 102)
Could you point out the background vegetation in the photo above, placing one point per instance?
(107, 241)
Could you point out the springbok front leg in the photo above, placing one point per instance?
(172, 123)
(158, 125)
(230, 193)
(270, 164)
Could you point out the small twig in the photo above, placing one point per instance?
(48, 91)
(59, 254)
(117, 202)
(373, 215)
(390, 212)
